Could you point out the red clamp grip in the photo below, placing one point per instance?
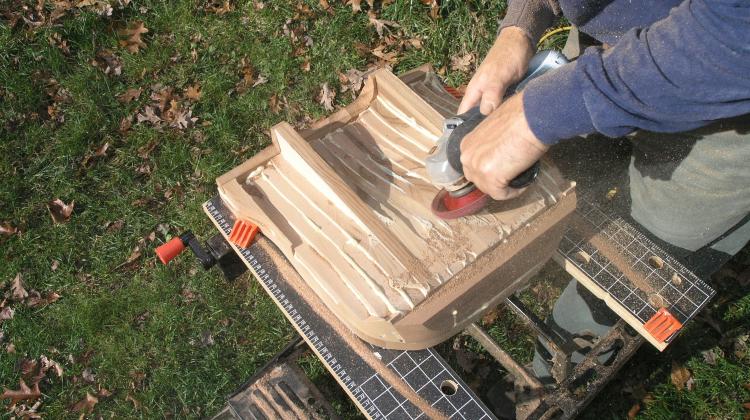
(169, 250)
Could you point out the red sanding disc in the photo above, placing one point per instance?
(446, 206)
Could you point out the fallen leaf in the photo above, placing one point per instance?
(7, 229)
(133, 41)
(37, 301)
(136, 403)
(88, 376)
(24, 393)
(356, 5)
(134, 256)
(108, 62)
(633, 412)
(17, 291)
(87, 403)
(490, 317)
(219, 7)
(115, 226)
(462, 63)
(326, 97)
(130, 95)
(103, 393)
(710, 356)
(273, 104)
(434, 8)
(59, 211)
(193, 92)
(55, 265)
(681, 377)
(381, 25)
(207, 339)
(49, 363)
(305, 66)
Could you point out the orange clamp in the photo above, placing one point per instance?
(243, 233)
(662, 325)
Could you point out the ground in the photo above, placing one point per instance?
(128, 110)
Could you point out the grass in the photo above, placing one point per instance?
(141, 329)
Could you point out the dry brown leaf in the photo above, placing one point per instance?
(55, 265)
(387, 57)
(219, 7)
(86, 404)
(326, 96)
(108, 62)
(132, 34)
(305, 66)
(103, 393)
(134, 256)
(88, 376)
(59, 211)
(125, 124)
(325, 6)
(6, 313)
(434, 8)
(462, 63)
(633, 412)
(17, 291)
(8, 229)
(273, 104)
(681, 377)
(356, 5)
(193, 92)
(37, 301)
(136, 403)
(130, 95)
(490, 317)
(381, 25)
(49, 363)
(24, 393)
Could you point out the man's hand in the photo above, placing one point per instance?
(505, 64)
(499, 149)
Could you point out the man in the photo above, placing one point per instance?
(665, 66)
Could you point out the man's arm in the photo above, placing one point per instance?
(507, 60)
(682, 72)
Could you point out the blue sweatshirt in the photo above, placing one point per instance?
(666, 71)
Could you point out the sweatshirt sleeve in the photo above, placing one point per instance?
(681, 73)
(532, 16)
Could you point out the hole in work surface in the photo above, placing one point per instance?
(449, 387)
(656, 262)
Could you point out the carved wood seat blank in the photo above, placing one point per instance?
(348, 203)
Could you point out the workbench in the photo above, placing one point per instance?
(425, 372)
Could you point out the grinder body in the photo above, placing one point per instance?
(458, 196)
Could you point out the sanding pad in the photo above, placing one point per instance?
(446, 206)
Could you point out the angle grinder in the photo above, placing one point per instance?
(459, 197)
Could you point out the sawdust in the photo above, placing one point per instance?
(610, 250)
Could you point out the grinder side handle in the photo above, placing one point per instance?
(471, 119)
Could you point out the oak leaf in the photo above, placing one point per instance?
(86, 404)
(219, 7)
(681, 377)
(17, 291)
(356, 5)
(51, 364)
(130, 95)
(8, 229)
(6, 313)
(132, 34)
(24, 393)
(462, 63)
(381, 25)
(193, 92)
(326, 97)
(37, 301)
(59, 211)
(108, 62)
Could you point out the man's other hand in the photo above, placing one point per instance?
(499, 149)
(504, 65)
